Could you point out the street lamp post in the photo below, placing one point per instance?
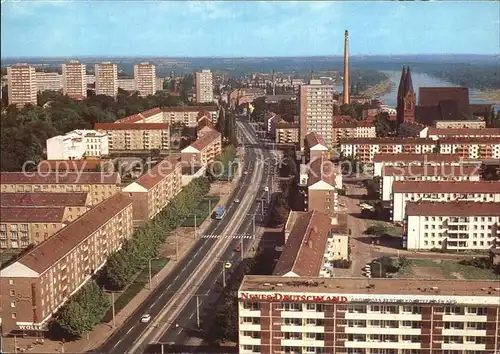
(112, 304)
(198, 309)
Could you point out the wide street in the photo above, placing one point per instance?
(212, 285)
(198, 271)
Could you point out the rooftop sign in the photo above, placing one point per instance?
(278, 297)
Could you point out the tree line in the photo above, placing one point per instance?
(87, 308)
(24, 132)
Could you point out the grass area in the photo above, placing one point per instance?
(447, 269)
(202, 211)
(139, 283)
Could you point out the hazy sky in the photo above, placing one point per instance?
(258, 28)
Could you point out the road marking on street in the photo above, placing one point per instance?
(190, 260)
(245, 236)
(177, 277)
(179, 331)
(114, 346)
(190, 317)
(131, 328)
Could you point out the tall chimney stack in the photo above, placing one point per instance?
(346, 68)
(274, 85)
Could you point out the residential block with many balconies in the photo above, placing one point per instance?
(453, 226)
(367, 316)
(21, 85)
(74, 79)
(316, 111)
(156, 188)
(382, 160)
(43, 279)
(469, 172)
(404, 192)
(136, 136)
(106, 79)
(31, 218)
(145, 79)
(365, 148)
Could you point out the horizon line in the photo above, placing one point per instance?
(245, 57)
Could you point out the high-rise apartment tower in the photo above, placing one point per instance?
(145, 79)
(204, 86)
(74, 77)
(106, 79)
(22, 87)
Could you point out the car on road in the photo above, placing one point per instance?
(246, 172)
(236, 200)
(266, 189)
(237, 249)
(227, 265)
(146, 318)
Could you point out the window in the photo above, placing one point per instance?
(12, 304)
(14, 315)
(11, 281)
(12, 293)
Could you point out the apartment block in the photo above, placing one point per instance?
(106, 79)
(38, 283)
(285, 132)
(74, 79)
(315, 147)
(381, 160)
(365, 148)
(48, 81)
(404, 192)
(312, 242)
(136, 136)
(438, 133)
(203, 151)
(204, 86)
(77, 145)
(22, 87)
(155, 189)
(346, 127)
(460, 225)
(483, 148)
(126, 84)
(145, 79)
(471, 172)
(320, 180)
(237, 97)
(316, 111)
(187, 115)
(100, 186)
(367, 316)
(459, 124)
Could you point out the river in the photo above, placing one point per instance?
(420, 80)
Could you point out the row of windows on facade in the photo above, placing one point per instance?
(247, 348)
(358, 308)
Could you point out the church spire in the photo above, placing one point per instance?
(406, 100)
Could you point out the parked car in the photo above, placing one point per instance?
(146, 318)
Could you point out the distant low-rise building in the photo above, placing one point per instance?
(77, 145)
(155, 189)
(136, 136)
(99, 185)
(365, 148)
(43, 279)
(48, 81)
(345, 127)
(437, 133)
(189, 115)
(459, 225)
(459, 124)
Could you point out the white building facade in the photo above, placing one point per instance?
(441, 191)
(452, 226)
(78, 144)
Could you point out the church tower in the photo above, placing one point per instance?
(407, 99)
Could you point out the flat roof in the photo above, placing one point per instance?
(461, 208)
(373, 286)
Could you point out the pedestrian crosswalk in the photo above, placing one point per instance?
(226, 236)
